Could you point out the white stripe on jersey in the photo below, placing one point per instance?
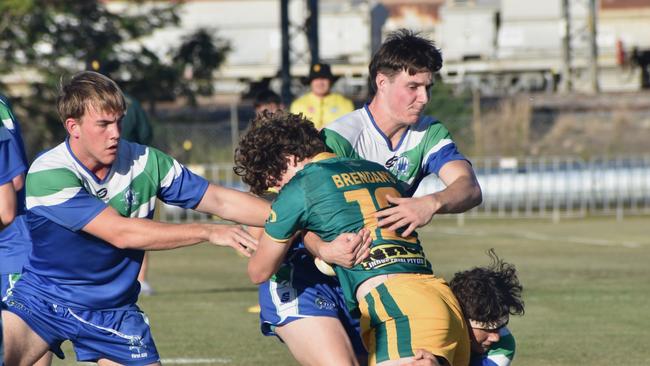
(55, 199)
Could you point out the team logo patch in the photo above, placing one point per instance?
(398, 165)
(130, 198)
(102, 193)
(322, 303)
(137, 347)
(385, 254)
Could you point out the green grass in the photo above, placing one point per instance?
(587, 293)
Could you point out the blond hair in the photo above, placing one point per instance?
(86, 89)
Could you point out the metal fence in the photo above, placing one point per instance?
(533, 187)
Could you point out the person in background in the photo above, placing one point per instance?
(320, 105)
(267, 100)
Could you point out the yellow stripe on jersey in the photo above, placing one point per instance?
(278, 240)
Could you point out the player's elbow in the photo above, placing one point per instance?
(257, 274)
(477, 195)
(120, 243)
(7, 217)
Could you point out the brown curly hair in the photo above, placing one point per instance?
(486, 294)
(261, 157)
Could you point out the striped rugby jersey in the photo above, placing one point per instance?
(14, 239)
(71, 267)
(424, 148)
(333, 195)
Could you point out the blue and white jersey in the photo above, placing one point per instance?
(15, 242)
(424, 148)
(71, 267)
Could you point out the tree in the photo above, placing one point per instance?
(48, 39)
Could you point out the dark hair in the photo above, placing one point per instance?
(261, 157)
(404, 50)
(487, 294)
(266, 96)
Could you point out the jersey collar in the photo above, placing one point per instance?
(322, 156)
(383, 135)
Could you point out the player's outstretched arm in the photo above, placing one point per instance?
(347, 250)
(462, 193)
(234, 205)
(145, 234)
(267, 259)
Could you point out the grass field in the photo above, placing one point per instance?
(587, 293)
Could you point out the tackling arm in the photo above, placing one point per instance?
(145, 234)
(347, 250)
(462, 193)
(234, 205)
(267, 259)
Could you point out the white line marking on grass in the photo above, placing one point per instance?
(541, 237)
(186, 361)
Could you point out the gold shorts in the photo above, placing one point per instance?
(410, 312)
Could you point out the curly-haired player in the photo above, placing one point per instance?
(488, 296)
(393, 290)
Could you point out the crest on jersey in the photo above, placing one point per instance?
(130, 197)
(398, 165)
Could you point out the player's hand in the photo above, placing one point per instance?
(233, 236)
(411, 213)
(348, 249)
(423, 358)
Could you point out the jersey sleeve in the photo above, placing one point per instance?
(178, 185)
(11, 157)
(338, 144)
(59, 196)
(439, 149)
(288, 213)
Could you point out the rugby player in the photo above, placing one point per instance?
(402, 306)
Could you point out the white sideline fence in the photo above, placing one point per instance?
(531, 187)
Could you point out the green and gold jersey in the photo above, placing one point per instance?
(330, 196)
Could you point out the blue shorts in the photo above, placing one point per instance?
(299, 290)
(121, 336)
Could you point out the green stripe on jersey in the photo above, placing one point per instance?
(164, 162)
(47, 182)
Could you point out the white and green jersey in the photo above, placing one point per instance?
(501, 353)
(74, 268)
(424, 148)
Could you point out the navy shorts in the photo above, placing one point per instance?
(299, 290)
(121, 336)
